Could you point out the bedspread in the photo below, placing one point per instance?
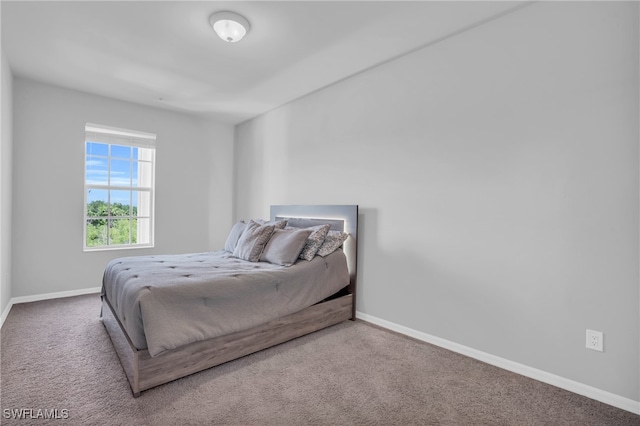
(167, 301)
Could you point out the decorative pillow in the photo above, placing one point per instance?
(234, 235)
(252, 241)
(332, 242)
(285, 246)
(280, 224)
(314, 241)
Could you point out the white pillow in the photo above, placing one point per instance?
(234, 235)
(285, 246)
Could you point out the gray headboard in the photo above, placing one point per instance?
(341, 217)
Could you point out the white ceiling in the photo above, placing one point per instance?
(165, 54)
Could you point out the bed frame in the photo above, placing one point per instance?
(144, 371)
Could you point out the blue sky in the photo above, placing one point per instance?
(123, 171)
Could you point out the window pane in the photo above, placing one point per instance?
(94, 148)
(120, 173)
(134, 173)
(119, 231)
(96, 170)
(141, 231)
(120, 202)
(120, 151)
(97, 203)
(96, 232)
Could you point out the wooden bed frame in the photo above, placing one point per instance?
(144, 371)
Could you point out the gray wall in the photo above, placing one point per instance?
(192, 169)
(497, 174)
(5, 183)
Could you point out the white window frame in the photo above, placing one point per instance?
(146, 144)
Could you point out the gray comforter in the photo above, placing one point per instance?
(168, 301)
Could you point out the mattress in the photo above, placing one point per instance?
(167, 301)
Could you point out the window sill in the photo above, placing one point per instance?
(118, 248)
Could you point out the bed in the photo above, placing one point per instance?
(166, 320)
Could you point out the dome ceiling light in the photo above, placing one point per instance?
(229, 26)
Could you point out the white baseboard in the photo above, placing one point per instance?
(46, 296)
(5, 313)
(524, 370)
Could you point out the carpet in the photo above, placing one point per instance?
(56, 356)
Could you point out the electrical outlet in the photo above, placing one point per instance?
(595, 340)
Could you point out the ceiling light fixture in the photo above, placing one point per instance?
(229, 26)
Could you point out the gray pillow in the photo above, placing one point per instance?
(332, 242)
(314, 241)
(285, 246)
(280, 224)
(234, 235)
(252, 241)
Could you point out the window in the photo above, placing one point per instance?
(118, 188)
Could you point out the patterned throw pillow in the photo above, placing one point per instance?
(314, 241)
(332, 241)
(252, 241)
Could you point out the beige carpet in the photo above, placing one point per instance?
(57, 355)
